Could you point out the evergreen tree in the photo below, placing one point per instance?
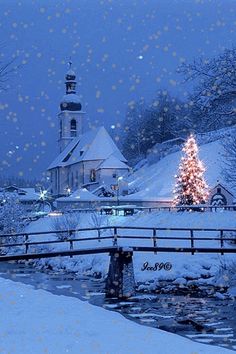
(190, 188)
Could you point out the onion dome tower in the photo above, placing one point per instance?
(71, 114)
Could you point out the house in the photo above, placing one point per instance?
(26, 196)
(86, 159)
(220, 196)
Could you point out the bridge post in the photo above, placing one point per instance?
(120, 281)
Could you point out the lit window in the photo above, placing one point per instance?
(73, 127)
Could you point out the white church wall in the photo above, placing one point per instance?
(90, 166)
(110, 177)
(75, 176)
(65, 118)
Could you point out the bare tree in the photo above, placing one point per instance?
(229, 171)
(97, 220)
(214, 95)
(6, 69)
(65, 223)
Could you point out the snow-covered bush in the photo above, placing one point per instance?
(65, 223)
(231, 235)
(11, 218)
(226, 276)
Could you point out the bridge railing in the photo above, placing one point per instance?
(152, 236)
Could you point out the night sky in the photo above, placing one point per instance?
(121, 50)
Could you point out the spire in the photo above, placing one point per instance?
(70, 79)
(70, 63)
(70, 101)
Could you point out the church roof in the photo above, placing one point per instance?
(113, 162)
(72, 97)
(71, 102)
(93, 145)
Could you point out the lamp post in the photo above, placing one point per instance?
(118, 189)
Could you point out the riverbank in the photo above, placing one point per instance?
(185, 272)
(35, 321)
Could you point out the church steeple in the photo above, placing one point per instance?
(71, 115)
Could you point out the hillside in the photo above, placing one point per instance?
(157, 179)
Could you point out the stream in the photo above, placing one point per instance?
(205, 320)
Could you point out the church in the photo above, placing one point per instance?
(87, 159)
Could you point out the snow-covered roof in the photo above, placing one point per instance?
(82, 195)
(70, 72)
(72, 97)
(222, 186)
(94, 145)
(143, 196)
(24, 194)
(114, 163)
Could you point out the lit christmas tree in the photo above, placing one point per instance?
(190, 188)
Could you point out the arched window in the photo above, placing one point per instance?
(77, 179)
(73, 128)
(72, 180)
(60, 128)
(92, 175)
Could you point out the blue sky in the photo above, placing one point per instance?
(122, 50)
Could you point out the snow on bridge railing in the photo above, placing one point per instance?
(121, 227)
(154, 237)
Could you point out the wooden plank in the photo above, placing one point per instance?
(184, 249)
(16, 257)
(113, 249)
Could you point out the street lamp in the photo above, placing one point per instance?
(118, 188)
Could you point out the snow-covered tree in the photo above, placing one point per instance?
(229, 171)
(11, 221)
(190, 188)
(214, 96)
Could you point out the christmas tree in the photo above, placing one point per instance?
(190, 188)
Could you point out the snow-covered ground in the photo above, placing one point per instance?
(35, 321)
(157, 180)
(187, 266)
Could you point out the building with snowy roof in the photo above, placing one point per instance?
(86, 159)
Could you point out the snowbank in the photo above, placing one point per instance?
(35, 321)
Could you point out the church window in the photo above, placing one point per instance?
(92, 175)
(73, 127)
(72, 180)
(60, 129)
(77, 179)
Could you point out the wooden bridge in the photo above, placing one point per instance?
(119, 242)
